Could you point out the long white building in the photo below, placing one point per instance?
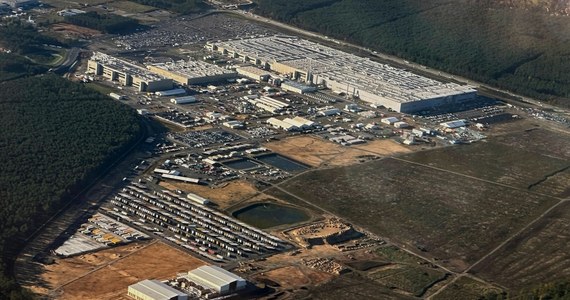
(126, 73)
(370, 81)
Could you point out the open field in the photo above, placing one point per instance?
(315, 151)
(556, 144)
(413, 280)
(224, 196)
(539, 254)
(131, 7)
(453, 218)
(295, 277)
(497, 162)
(354, 286)
(110, 281)
(383, 147)
(68, 269)
(465, 288)
(70, 30)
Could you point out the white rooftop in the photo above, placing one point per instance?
(213, 277)
(192, 68)
(157, 289)
(325, 63)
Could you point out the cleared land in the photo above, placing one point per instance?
(498, 162)
(131, 7)
(315, 151)
(539, 254)
(465, 288)
(157, 261)
(224, 196)
(454, 218)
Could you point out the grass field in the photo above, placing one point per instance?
(540, 254)
(454, 218)
(495, 162)
(465, 289)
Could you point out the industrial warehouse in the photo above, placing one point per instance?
(126, 73)
(363, 78)
(192, 72)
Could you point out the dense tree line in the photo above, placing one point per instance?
(177, 6)
(13, 66)
(23, 38)
(522, 51)
(56, 136)
(107, 23)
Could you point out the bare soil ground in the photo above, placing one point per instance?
(383, 147)
(75, 31)
(65, 270)
(539, 254)
(315, 151)
(110, 281)
(224, 196)
(454, 218)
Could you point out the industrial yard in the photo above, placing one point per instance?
(302, 183)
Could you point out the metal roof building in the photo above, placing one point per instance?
(154, 290)
(217, 279)
(373, 82)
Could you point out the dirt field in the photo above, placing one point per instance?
(110, 281)
(454, 218)
(294, 277)
(224, 196)
(315, 151)
(75, 31)
(540, 254)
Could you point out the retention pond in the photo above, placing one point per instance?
(266, 215)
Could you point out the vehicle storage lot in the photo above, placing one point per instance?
(454, 218)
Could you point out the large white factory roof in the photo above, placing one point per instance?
(213, 277)
(327, 64)
(125, 66)
(192, 68)
(156, 289)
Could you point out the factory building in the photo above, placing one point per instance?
(154, 290)
(192, 72)
(359, 77)
(254, 73)
(296, 87)
(269, 104)
(183, 100)
(126, 73)
(217, 279)
(279, 124)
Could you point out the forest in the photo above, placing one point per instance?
(519, 50)
(23, 38)
(177, 6)
(105, 23)
(56, 136)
